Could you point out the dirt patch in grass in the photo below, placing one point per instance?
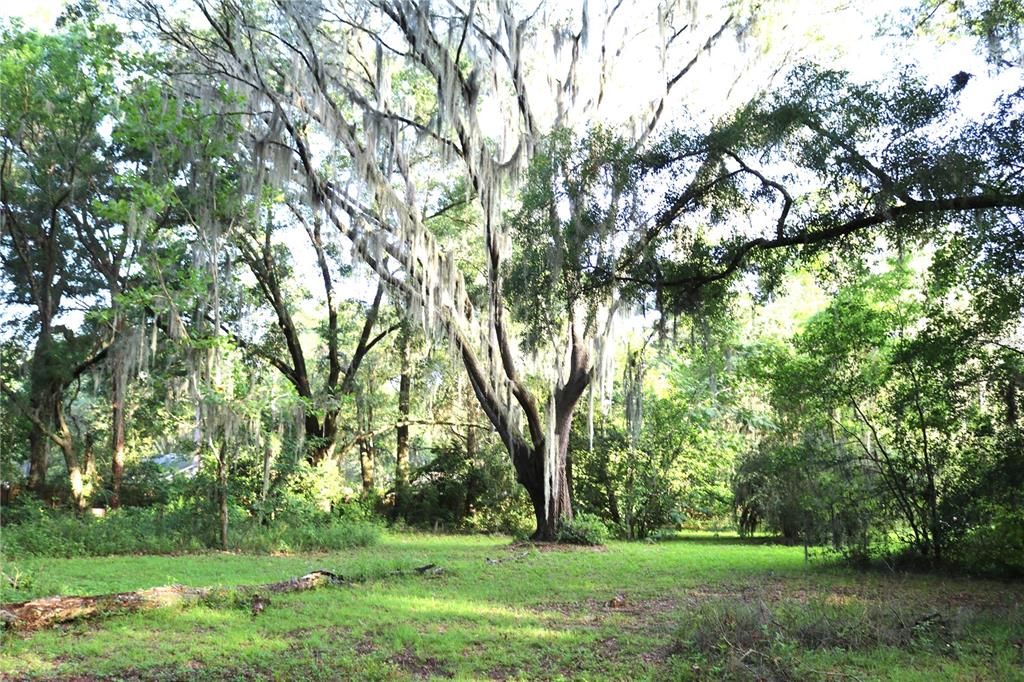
(420, 667)
(659, 655)
(554, 547)
(502, 673)
(365, 646)
(614, 603)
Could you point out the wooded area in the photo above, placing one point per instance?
(282, 276)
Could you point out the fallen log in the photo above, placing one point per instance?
(47, 611)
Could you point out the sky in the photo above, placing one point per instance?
(37, 14)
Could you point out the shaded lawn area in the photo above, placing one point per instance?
(697, 608)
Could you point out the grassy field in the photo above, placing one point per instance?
(699, 607)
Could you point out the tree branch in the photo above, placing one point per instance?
(890, 214)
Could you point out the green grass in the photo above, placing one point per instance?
(546, 616)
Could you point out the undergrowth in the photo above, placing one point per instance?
(166, 530)
(741, 639)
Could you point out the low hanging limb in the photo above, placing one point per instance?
(47, 611)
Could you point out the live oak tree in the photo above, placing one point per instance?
(605, 216)
(53, 164)
(326, 73)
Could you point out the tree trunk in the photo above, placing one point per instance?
(89, 460)
(43, 397)
(402, 432)
(67, 446)
(117, 427)
(470, 442)
(547, 482)
(321, 437)
(268, 460)
(609, 489)
(39, 450)
(364, 418)
(222, 491)
(558, 505)
(1011, 399)
(366, 464)
(47, 611)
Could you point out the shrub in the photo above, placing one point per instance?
(25, 507)
(512, 516)
(166, 529)
(638, 489)
(284, 537)
(474, 493)
(45, 535)
(145, 484)
(584, 529)
(996, 546)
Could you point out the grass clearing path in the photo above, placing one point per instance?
(699, 607)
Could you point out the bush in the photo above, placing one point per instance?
(473, 493)
(145, 484)
(638, 490)
(167, 529)
(584, 529)
(25, 507)
(996, 546)
(284, 537)
(513, 516)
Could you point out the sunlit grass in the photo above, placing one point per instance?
(543, 616)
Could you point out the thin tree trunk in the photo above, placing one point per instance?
(470, 442)
(402, 432)
(472, 414)
(268, 459)
(222, 491)
(609, 489)
(89, 460)
(364, 418)
(1011, 399)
